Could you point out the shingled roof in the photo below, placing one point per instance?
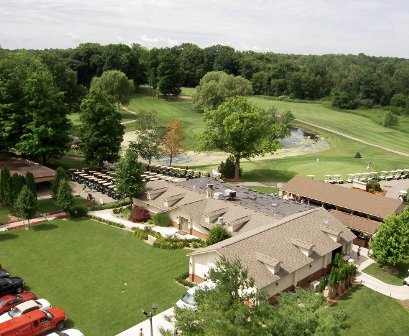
(275, 243)
(347, 198)
(357, 223)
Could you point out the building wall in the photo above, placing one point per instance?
(200, 264)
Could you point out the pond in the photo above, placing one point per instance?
(299, 138)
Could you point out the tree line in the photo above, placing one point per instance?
(349, 81)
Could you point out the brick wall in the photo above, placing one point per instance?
(196, 279)
(198, 234)
(314, 276)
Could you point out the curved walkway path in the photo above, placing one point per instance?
(353, 138)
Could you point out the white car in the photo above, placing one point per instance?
(68, 332)
(188, 299)
(25, 307)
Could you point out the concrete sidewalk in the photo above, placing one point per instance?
(397, 292)
(34, 221)
(158, 321)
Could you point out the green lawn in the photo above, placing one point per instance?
(265, 190)
(373, 314)
(102, 276)
(3, 215)
(354, 123)
(186, 91)
(46, 205)
(166, 110)
(377, 271)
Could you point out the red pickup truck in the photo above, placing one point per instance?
(36, 322)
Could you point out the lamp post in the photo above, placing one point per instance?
(150, 315)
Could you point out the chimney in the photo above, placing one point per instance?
(209, 190)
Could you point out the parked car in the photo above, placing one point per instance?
(34, 323)
(406, 281)
(11, 285)
(4, 273)
(188, 299)
(8, 302)
(24, 308)
(68, 332)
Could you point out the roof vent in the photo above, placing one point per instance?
(230, 194)
(220, 220)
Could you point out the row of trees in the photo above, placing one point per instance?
(350, 80)
(234, 307)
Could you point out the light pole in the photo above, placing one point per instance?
(150, 315)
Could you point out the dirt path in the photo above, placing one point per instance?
(353, 138)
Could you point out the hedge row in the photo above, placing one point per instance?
(106, 221)
(182, 279)
(115, 204)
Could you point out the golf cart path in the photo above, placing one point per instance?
(353, 138)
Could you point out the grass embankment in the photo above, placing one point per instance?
(101, 276)
(4, 212)
(377, 271)
(262, 189)
(373, 314)
(355, 123)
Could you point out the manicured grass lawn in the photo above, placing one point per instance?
(102, 276)
(166, 110)
(46, 205)
(373, 314)
(354, 123)
(3, 215)
(265, 190)
(377, 271)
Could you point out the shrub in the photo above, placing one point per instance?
(117, 211)
(169, 244)
(143, 233)
(78, 211)
(139, 214)
(373, 185)
(323, 283)
(162, 219)
(106, 221)
(389, 119)
(198, 244)
(358, 155)
(217, 234)
(227, 168)
(182, 279)
(110, 205)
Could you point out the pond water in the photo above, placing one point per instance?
(299, 138)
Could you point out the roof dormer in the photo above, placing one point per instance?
(304, 247)
(273, 265)
(172, 200)
(334, 234)
(155, 193)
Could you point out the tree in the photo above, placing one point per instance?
(64, 198)
(302, 314)
(128, 176)
(225, 309)
(148, 143)
(172, 140)
(101, 131)
(26, 204)
(59, 176)
(29, 181)
(389, 119)
(4, 177)
(116, 84)
(215, 87)
(390, 245)
(216, 234)
(191, 61)
(17, 182)
(169, 75)
(244, 130)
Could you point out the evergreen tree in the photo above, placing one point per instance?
(169, 75)
(64, 199)
(17, 183)
(26, 204)
(4, 177)
(29, 181)
(59, 176)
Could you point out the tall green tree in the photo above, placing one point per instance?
(30, 182)
(4, 177)
(101, 131)
(64, 198)
(243, 129)
(17, 183)
(390, 245)
(59, 176)
(215, 87)
(225, 309)
(26, 204)
(148, 143)
(128, 176)
(169, 74)
(116, 84)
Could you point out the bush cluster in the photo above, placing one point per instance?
(182, 279)
(372, 186)
(78, 211)
(162, 219)
(106, 221)
(139, 214)
(227, 169)
(115, 204)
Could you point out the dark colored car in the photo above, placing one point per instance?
(8, 302)
(4, 273)
(11, 285)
